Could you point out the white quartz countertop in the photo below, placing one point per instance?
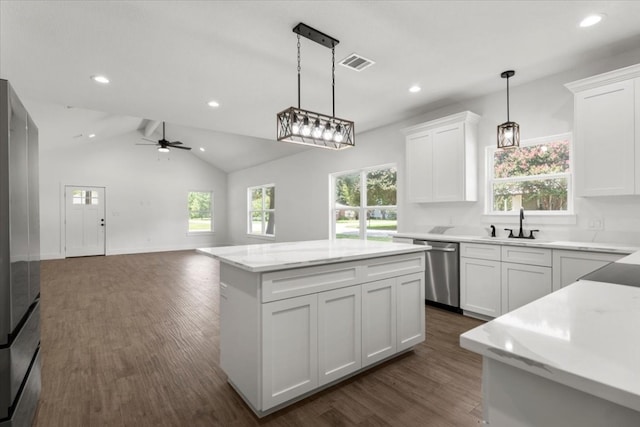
(581, 246)
(586, 336)
(280, 256)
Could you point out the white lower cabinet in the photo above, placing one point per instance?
(410, 327)
(289, 349)
(522, 284)
(569, 266)
(339, 332)
(480, 286)
(378, 320)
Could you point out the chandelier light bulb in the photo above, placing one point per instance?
(306, 129)
(295, 126)
(338, 136)
(327, 135)
(317, 129)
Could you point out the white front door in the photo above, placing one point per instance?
(84, 221)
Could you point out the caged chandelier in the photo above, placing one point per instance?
(306, 127)
(508, 132)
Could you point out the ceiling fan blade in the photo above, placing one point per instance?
(174, 142)
(182, 148)
(150, 140)
(145, 144)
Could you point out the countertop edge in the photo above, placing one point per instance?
(310, 263)
(599, 389)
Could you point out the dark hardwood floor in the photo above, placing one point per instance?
(132, 340)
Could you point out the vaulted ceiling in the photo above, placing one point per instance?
(167, 59)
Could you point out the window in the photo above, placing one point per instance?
(82, 197)
(200, 211)
(364, 204)
(536, 176)
(262, 204)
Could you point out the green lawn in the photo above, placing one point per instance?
(372, 224)
(200, 224)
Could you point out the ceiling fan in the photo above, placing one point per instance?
(164, 145)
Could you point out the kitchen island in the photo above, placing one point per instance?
(298, 317)
(571, 358)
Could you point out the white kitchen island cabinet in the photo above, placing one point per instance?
(298, 317)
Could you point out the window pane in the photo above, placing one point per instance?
(256, 223)
(381, 187)
(347, 224)
(269, 197)
(256, 199)
(348, 190)
(270, 223)
(549, 158)
(541, 195)
(200, 216)
(382, 224)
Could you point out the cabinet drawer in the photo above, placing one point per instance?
(393, 266)
(527, 255)
(480, 251)
(309, 280)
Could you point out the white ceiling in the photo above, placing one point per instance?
(167, 59)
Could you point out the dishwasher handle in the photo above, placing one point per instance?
(433, 248)
(443, 249)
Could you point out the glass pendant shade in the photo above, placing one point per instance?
(508, 135)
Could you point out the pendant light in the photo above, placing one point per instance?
(314, 129)
(508, 132)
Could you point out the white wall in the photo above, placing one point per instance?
(542, 108)
(146, 194)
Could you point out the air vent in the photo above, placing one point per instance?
(356, 62)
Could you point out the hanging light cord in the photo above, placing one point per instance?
(298, 71)
(508, 120)
(333, 80)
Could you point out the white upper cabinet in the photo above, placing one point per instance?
(607, 133)
(441, 160)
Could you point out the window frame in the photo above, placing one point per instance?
(559, 217)
(211, 225)
(264, 210)
(363, 208)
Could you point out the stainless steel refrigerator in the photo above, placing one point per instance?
(19, 263)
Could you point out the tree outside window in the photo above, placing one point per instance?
(200, 204)
(366, 211)
(535, 176)
(261, 218)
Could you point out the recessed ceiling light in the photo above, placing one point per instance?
(92, 135)
(415, 89)
(100, 79)
(592, 19)
(213, 104)
(201, 149)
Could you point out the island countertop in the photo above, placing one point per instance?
(278, 256)
(585, 336)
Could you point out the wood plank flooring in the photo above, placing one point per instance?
(132, 340)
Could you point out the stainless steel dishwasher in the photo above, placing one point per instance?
(442, 274)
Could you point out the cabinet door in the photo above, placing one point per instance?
(419, 158)
(448, 163)
(522, 284)
(339, 333)
(289, 349)
(568, 266)
(604, 143)
(480, 286)
(410, 305)
(378, 320)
